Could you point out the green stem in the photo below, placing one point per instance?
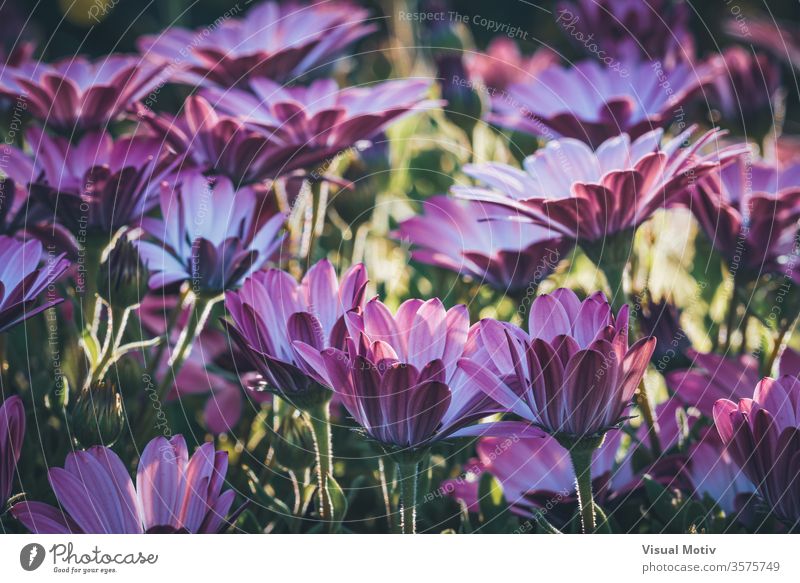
(617, 278)
(387, 498)
(201, 309)
(407, 475)
(777, 349)
(582, 464)
(643, 402)
(319, 418)
(731, 320)
(117, 321)
(173, 319)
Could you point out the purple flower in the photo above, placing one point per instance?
(279, 41)
(714, 473)
(534, 470)
(173, 493)
(97, 184)
(628, 29)
(593, 103)
(77, 94)
(763, 437)
(589, 195)
(746, 84)
(306, 127)
(22, 279)
(398, 375)
(209, 234)
(713, 377)
(573, 375)
(272, 312)
(749, 209)
(459, 236)
(782, 39)
(502, 64)
(12, 432)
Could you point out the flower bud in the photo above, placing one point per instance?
(293, 443)
(96, 417)
(122, 278)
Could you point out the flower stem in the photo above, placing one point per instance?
(407, 474)
(201, 309)
(643, 402)
(319, 418)
(117, 321)
(581, 463)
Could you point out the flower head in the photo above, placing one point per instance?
(460, 236)
(12, 432)
(174, 493)
(306, 127)
(502, 64)
(22, 279)
(750, 211)
(209, 234)
(77, 94)
(763, 437)
(588, 195)
(398, 375)
(628, 29)
(272, 312)
(573, 374)
(98, 183)
(593, 103)
(279, 41)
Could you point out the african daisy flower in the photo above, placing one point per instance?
(763, 437)
(76, 94)
(174, 493)
(97, 184)
(25, 272)
(458, 236)
(272, 311)
(12, 432)
(398, 376)
(306, 127)
(278, 41)
(209, 234)
(598, 198)
(750, 209)
(628, 29)
(593, 103)
(573, 374)
(502, 64)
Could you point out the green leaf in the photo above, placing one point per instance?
(490, 497)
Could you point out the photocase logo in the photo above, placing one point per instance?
(31, 556)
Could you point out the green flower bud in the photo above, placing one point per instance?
(96, 416)
(122, 278)
(293, 443)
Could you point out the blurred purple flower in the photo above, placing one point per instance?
(662, 320)
(713, 377)
(589, 195)
(763, 437)
(713, 472)
(593, 103)
(97, 184)
(573, 375)
(537, 470)
(12, 432)
(272, 313)
(174, 493)
(76, 94)
(459, 236)
(399, 376)
(629, 29)
(750, 209)
(279, 41)
(209, 234)
(502, 64)
(22, 279)
(746, 85)
(782, 39)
